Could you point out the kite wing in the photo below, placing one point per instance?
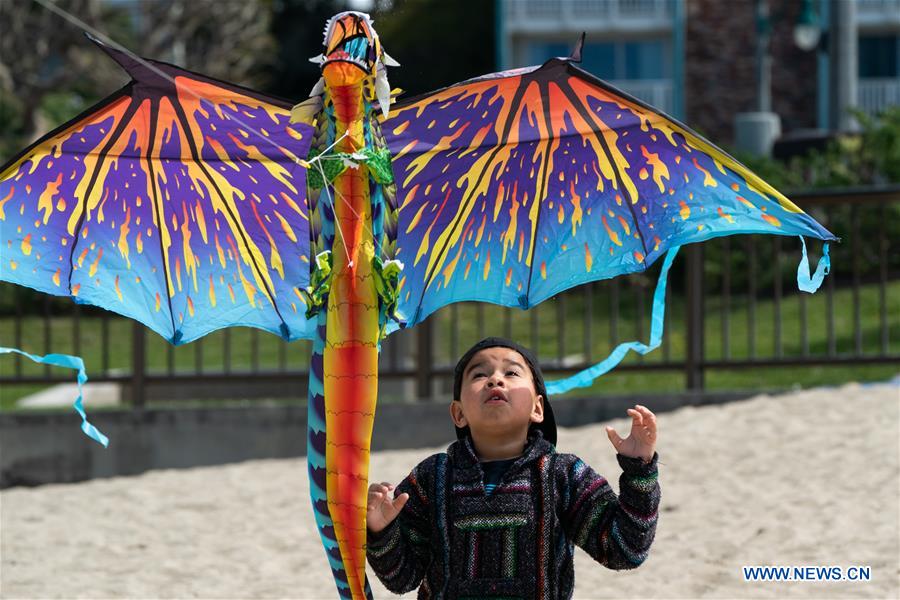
(518, 185)
(177, 201)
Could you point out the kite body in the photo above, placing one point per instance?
(340, 423)
(344, 373)
(191, 204)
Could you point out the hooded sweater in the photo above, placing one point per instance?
(453, 540)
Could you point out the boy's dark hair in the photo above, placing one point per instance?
(548, 426)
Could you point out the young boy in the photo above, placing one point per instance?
(499, 514)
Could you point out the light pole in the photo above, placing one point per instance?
(763, 58)
(756, 132)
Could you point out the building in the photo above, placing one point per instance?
(878, 23)
(696, 59)
(629, 42)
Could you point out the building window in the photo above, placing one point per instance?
(541, 52)
(601, 60)
(878, 56)
(620, 60)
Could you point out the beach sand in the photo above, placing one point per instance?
(807, 478)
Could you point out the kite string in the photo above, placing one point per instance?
(334, 211)
(356, 214)
(317, 162)
(337, 222)
(326, 149)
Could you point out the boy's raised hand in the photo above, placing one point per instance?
(641, 442)
(381, 510)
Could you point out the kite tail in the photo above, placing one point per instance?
(806, 282)
(810, 283)
(351, 387)
(71, 362)
(316, 452)
(586, 377)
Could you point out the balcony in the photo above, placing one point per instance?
(878, 93)
(655, 92)
(555, 16)
(878, 14)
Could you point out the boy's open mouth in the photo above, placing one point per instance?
(495, 396)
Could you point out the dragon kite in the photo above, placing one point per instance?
(192, 204)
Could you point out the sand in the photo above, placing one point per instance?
(807, 478)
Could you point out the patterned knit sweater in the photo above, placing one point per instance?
(458, 542)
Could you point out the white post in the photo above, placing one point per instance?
(842, 48)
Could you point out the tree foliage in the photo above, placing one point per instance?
(49, 72)
(298, 25)
(437, 43)
(871, 157)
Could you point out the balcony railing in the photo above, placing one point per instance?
(878, 93)
(655, 92)
(542, 16)
(877, 12)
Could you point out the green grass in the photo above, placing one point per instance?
(475, 321)
(208, 352)
(493, 321)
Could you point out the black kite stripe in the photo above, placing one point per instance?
(113, 138)
(545, 101)
(182, 117)
(504, 137)
(141, 73)
(154, 110)
(590, 118)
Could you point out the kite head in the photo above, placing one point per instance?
(353, 54)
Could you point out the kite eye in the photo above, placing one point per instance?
(349, 48)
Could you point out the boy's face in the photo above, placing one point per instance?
(498, 395)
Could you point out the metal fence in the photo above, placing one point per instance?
(732, 304)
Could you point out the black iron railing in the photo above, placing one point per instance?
(732, 304)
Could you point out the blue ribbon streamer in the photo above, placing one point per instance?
(808, 283)
(70, 362)
(586, 377)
